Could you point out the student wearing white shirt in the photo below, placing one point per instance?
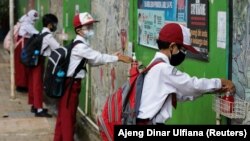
(26, 30)
(35, 80)
(169, 83)
(83, 25)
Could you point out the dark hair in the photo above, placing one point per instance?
(165, 45)
(162, 44)
(49, 19)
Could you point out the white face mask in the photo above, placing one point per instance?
(88, 33)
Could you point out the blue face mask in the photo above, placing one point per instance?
(177, 59)
(88, 33)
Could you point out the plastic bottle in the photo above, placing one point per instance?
(60, 73)
(36, 57)
(59, 77)
(134, 63)
(134, 66)
(59, 82)
(228, 102)
(133, 56)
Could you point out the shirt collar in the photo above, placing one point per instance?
(45, 29)
(162, 56)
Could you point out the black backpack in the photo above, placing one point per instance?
(31, 51)
(56, 70)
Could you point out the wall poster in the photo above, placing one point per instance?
(198, 24)
(154, 14)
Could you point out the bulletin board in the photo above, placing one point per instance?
(154, 14)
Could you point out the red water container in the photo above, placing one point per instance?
(227, 103)
(134, 70)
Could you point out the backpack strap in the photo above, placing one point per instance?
(81, 65)
(83, 61)
(155, 62)
(139, 91)
(42, 35)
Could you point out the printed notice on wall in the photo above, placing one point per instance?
(154, 14)
(221, 30)
(198, 24)
(149, 25)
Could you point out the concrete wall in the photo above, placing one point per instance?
(113, 16)
(104, 80)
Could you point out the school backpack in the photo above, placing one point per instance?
(56, 70)
(31, 51)
(122, 107)
(7, 38)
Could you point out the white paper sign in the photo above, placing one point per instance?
(221, 30)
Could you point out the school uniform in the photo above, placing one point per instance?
(26, 30)
(157, 97)
(36, 74)
(67, 105)
(21, 72)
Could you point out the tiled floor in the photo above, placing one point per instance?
(17, 123)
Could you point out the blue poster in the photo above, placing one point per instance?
(175, 10)
(164, 11)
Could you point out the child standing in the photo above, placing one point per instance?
(83, 25)
(26, 30)
(36, 74)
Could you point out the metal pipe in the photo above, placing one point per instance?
(88, 119)
(12, 80)
(218, 118)
(87, 91)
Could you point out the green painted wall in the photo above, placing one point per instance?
(21, 8)
(198, 111)
(42, 6)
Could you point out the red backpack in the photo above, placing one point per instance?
(121, 108)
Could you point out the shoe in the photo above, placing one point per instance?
(43, 114)
(34, 110)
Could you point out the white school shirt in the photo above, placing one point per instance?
(27, 28)
(49, 43)
(83, 50)
(164, 79)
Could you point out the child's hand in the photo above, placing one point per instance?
(124, 58)
(227, 86)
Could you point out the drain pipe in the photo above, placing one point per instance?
(218, 118)
(88, 119)
(87, 90)
(12, 80)
(86, 102)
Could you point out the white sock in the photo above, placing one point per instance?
(39, 110)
